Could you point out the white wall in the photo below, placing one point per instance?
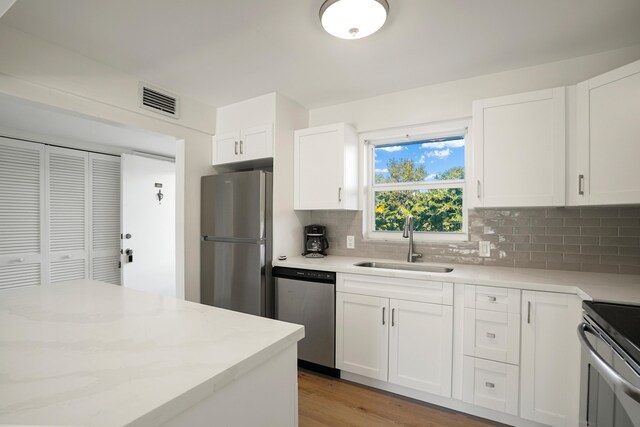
(452, 100)
(287, 223)
(45, 73)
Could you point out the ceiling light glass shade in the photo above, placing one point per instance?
(353, 19)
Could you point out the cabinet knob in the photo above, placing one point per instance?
(339, 194)
(581, 185)
(68, 256)
(489, 385)
(236, 151)
(19, 259)
(491, 335)
(492, 298)
(240, 146)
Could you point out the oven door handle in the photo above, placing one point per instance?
(603, 367)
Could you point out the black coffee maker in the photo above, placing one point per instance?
(315, 241)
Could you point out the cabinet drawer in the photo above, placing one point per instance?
(505, 300)
(492, 335)
(490, 384)
(391, 287)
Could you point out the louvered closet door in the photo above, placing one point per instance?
(68, 206)
(21, 213)
(104, 188)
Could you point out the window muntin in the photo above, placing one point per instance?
(423, 178)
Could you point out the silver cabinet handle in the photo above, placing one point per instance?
(240, 146)
(491, 335)
(489, 385)
(236, 148)
(603, 367)
(492, 298)
(478, 189)
(19, 259)
(528, 311)
(393, 315)
(581, 185)
(67, 256)
(383, 310)
(339, 194)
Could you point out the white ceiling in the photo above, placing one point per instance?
(20, 118)
(222, 51)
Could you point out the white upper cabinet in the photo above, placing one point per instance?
(245, 131)
(519, 150)
(607, 148)
(326, 168)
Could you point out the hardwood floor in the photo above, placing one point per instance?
(331, 402)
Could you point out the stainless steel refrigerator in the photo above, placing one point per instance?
(236, 242)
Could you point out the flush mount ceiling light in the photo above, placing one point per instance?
(353, 19)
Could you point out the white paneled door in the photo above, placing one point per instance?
(148, 224)
(21, 213)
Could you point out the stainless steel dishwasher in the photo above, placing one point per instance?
(308, 297)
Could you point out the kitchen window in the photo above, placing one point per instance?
(421, 173)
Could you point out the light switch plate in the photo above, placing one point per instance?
(485, 248)
(351, 242)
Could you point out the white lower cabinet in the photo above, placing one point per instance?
(362, 335)
(490, 384)
(550, 362)
(401, 342)
(420, 346)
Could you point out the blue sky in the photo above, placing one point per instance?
(436, 155)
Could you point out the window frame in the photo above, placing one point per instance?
(403, 136)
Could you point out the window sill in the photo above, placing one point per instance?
(373, 237)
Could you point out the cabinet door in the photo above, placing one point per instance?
(319, 168)
(256, 142)
(519, 149)
(550, 358)
(607, 149)
(104, 231)
(226, 148)
(67, 214)
(21, 213)
(420, 346)
(362, 335)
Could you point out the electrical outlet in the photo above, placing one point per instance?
(485, 248)
(351, 242)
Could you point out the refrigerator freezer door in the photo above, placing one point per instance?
(232, 276)
(311, 304)
(233, 205)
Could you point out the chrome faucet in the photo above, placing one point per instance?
(408, 233)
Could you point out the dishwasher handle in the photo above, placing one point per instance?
(602, 366)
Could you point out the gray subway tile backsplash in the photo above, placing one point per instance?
(594, 239)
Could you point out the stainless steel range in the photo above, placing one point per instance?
(610, 374)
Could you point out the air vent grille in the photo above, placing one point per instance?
(153, 99)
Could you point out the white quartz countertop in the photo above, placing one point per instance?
(596, 286)
(88, 353)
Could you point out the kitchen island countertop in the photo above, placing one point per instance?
(89, 353)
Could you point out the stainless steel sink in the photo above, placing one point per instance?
(407, 266)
